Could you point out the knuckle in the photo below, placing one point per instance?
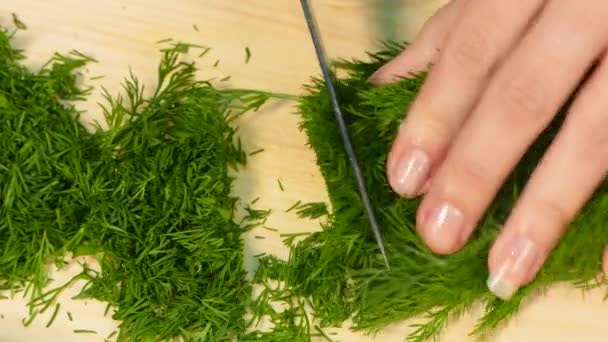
(523, 99)
(470, 53)
(550, 213)
(591, 127)
(470, 174)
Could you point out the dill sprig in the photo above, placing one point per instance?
(149, 196)
(340, 268)
(312, 210)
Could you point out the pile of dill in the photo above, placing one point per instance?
(149, 196)
(340, 268)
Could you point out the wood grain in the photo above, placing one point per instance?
(121, 34)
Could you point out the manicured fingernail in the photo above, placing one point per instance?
(411, 173)
(443, 229)
(518, 259)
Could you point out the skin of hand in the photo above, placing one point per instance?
(500, 71)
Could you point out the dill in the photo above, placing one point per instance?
(57, 306)
(217, 62)
(20, 25)
(340, 268)
(280, 185)
(70, 316)
(166, 40)
(253, 153)
(260, 237)
(85, 331)
(255, 201)
(97, 77)
(311, 210)
(294, 206)
(149, 196)
(270, 229)
(204, 52)
(112, 334)
(247, 54)
(224, 79)
(195, 27)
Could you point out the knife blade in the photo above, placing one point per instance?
(343, 129)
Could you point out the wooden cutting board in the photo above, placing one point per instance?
(122, 34)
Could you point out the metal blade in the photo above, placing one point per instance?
(343, 130)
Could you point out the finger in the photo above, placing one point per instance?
(423, 51)
(485, 33)
(568, 175)
(521, 99)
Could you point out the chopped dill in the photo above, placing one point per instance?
(280, 185)
(312, 210)
(85, 331)
(166, 40)
(247, 54)
(20, 25)
(217, 62)
(55, 312)
(253, 153)
(224, 79)
(70, 316)
(195, 27)
(112, 334)
(204, 52)
(295, 205)
(149, 196)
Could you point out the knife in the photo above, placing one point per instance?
(343, 130)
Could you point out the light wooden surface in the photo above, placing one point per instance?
(122, 34)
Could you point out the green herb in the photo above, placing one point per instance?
(254, 218)
(340, 268)
(270, 229)
(224, 79)
(96, 77)
(112, 334)
(256, 152)
(259, 237)
(295, 205)
(312, 210)
(195, 27)
(84, 331)
(217, 62)
(57, 306)
(166, 40)
(70, 316)
(204, 52)
(149, 196)
(20, 25)
(280, 185)
(255, 201)
(247, 55)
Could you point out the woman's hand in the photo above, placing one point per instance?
(501, 71)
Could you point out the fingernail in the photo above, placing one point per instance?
(411, 173)
(443, 229)
(520, 256)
